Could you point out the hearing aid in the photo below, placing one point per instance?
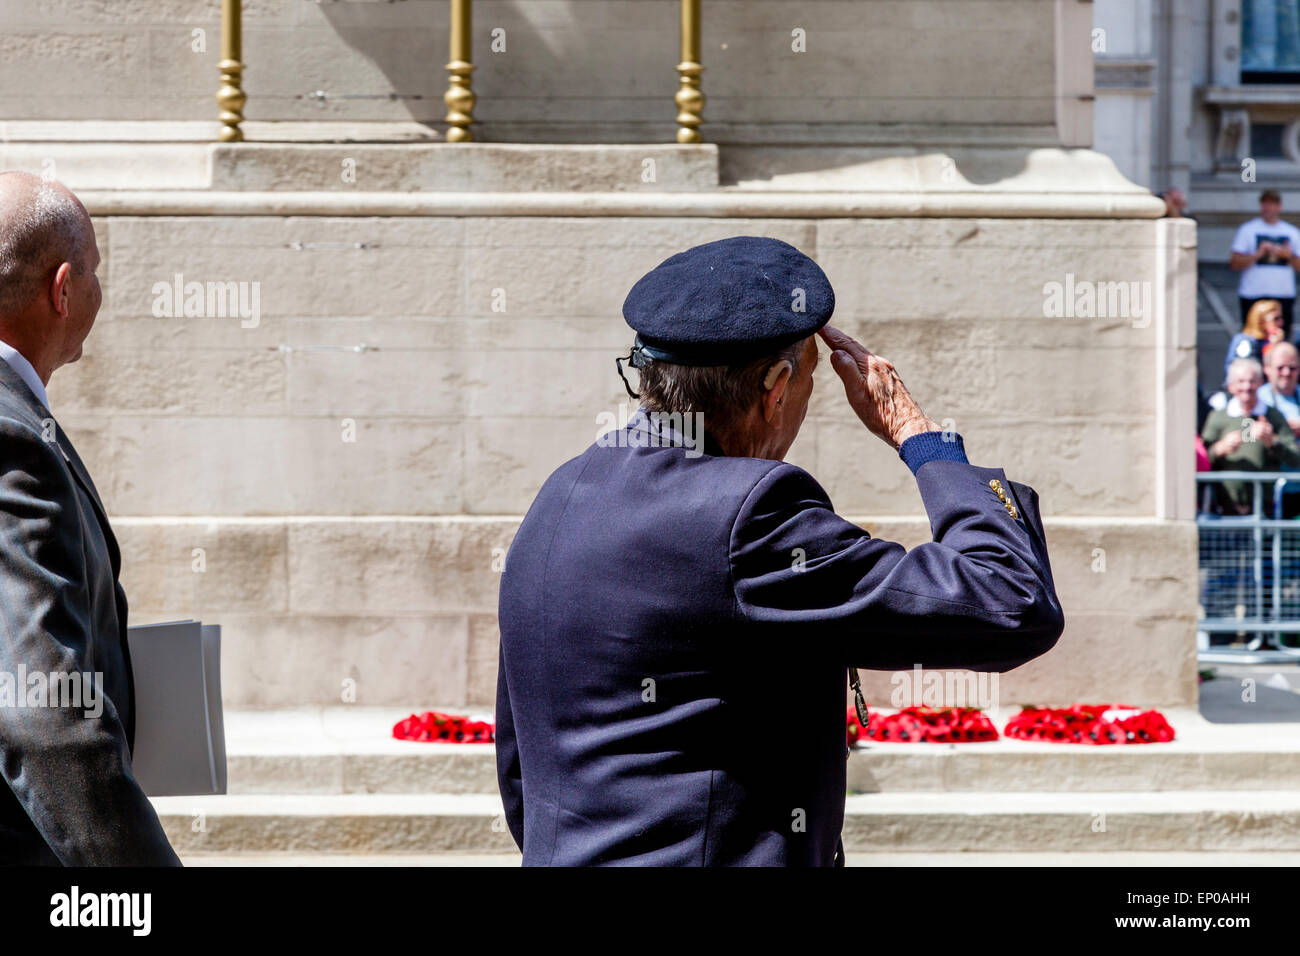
(775, 372)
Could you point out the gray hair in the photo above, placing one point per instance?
(41, 227)
(1256, 369)
(723, 393)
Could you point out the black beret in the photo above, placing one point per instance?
(727, 302)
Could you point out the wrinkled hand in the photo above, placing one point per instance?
(1227, 444)
(875, 391)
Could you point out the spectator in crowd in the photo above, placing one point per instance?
(1247, 435)
(1265, 253)
(1262, 327)
(1282, 369)
(1175, 203)
(1202, 456)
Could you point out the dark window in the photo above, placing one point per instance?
(1266, 140)
(1270, 41)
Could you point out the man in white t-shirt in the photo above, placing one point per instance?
(1266, 251)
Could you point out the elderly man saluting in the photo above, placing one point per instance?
(677, 624)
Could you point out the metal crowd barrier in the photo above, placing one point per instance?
(1249, 571)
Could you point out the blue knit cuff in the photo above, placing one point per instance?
(931, 446)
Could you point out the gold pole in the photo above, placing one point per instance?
(231, 96)
(689, 99)
(459, 97)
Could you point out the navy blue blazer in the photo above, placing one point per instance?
(676, 632)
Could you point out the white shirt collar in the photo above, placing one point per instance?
(18, 362)
(1234, 408)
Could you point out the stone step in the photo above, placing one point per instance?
(451, 167)
(348, 751)
(337, 823)
(1202, 820)
(992, 858)
(163, 168)
(368, 167)
(381, 824)
(854, 859)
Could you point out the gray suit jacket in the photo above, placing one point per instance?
(69, 796)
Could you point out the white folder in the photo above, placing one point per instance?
(180, 741)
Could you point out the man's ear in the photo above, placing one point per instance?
(776, 381)
(59, 298)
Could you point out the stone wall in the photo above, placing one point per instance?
(489, 347)
(570, 70)
(336, 477)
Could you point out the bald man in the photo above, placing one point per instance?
(66, 723)
(1282, 368)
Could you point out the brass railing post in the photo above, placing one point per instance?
(231, 96)
(459, 97)
(690, 101)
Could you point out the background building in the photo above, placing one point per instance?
(1204, 95)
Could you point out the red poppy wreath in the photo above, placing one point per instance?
(936, 725)
(1091, 724)
(436, 727)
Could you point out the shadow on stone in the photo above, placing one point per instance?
(1221, 703)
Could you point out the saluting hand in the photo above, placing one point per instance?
(875, 391)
